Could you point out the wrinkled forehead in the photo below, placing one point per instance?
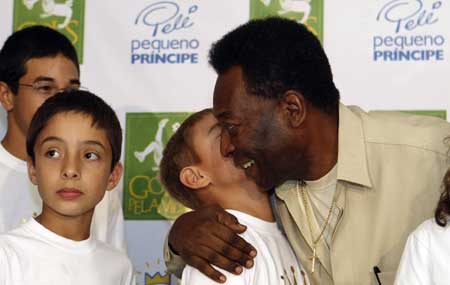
(228, 92)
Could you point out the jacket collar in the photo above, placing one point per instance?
(352, 159)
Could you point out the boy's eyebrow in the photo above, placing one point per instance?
(89, 142)
(93, 142)
(45, 78)
(213, 127)
(52, 138)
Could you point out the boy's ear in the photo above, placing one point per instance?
(6, 96)
(193, 177)
(114, 177)
(31, 171)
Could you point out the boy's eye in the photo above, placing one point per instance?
(91, 156)
(53, 153)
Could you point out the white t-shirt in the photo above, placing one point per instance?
(275, 263)
(426, 257)
(32, 254)
(20, 200)
(321, 193)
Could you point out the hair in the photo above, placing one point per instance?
(28, 43)
(179, 153)
(442, 213)
(82, 102)
(277, 55)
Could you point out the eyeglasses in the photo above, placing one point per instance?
(49, 88)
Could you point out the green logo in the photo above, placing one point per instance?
(442, 114)
(308, 12)
(66, 16)
(146, 136)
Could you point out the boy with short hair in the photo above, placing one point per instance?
(195, 173)
(35, 63)
(73, 146)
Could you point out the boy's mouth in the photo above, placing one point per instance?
(69, 193)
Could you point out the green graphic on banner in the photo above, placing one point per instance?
(433, 113)
(66, 16)
(146, 136)
(308, 12)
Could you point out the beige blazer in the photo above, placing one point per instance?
(390, 168)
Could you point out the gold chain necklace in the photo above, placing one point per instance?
(316, 241)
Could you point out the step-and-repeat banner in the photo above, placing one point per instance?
(148, 59)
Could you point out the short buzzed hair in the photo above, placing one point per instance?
(179, 153)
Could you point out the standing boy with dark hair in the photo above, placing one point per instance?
(73, 146)
(195, 173)
(36, 63)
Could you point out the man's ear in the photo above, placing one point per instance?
(31, 171)
(293, 105)
(6, 96)
(193, 177)
(114, 177)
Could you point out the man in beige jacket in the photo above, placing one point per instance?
(349, 185)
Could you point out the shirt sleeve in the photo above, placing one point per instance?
(174, 263)
(116, 224)
(2, 268)
(191, 276)
(415, 263)
(108, 223)
(130, 276)
(5, 278)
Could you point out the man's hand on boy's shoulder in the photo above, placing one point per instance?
(210, 236)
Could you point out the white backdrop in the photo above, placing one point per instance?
(384, 56)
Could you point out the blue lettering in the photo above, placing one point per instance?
(171, 58)
(408, 15)
(408, 55)
(165, 17)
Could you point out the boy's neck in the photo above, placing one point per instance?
(14, 142)
(74, 228)
(248, 199)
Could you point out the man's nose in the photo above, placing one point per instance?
(226, 147)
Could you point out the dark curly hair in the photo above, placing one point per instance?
(442, 212)
(277, 55)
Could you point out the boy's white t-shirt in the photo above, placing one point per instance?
(20, 201)
(32, 254)
(426, 257)
(275, 263)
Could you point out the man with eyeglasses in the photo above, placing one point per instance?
(35, 64)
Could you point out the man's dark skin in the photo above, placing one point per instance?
(287, 139)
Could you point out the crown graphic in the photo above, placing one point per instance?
(157, 279)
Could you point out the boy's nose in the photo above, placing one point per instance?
(71, 169)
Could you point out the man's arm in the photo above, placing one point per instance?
(209, 236)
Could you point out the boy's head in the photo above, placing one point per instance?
(29, 43)
(35, 63)
(192, 162)
(74, 144)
